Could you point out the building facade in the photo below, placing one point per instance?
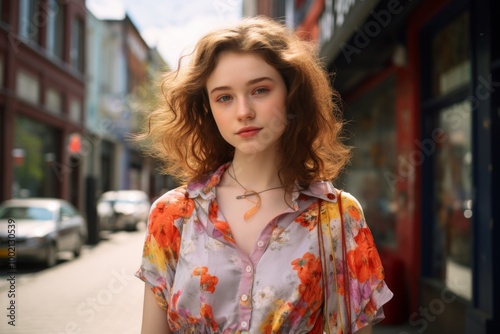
(120, 74)
(42, 90)
(70, 85)
(420, 82)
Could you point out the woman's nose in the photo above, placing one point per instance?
(245, 109)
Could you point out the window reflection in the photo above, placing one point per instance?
(373, 136)
(453, 199)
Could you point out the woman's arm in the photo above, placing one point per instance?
(365, 330)
(154, 318)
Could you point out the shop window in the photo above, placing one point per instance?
(35, 159)
(448, 192)
(453, 199)
(27, 87)
(77, 40)
(55, 16)
(370, 176)
(54, 101)
(75, 111)
(30, 19)
(450, 56)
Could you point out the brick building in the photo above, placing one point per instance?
(42, 89)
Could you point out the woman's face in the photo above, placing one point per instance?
(247, 98)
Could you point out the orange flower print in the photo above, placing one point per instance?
(162, 218)
(207, 281)
(308, 218)
(354, 212)
(308, 268)
(220, 225)
(206, 313)
(158, 292)
(309, 272)
(364, 260)
(173, 315)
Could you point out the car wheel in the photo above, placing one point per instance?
(132, 226)
(51, 258)
(78, 249)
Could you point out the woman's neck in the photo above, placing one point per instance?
(256, 172)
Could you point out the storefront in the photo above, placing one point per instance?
(420, 82)
(34, 154)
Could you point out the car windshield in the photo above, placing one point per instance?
(22, 212)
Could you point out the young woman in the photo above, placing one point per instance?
(252, 242)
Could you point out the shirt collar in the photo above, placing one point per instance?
(321, 189)
(206, 188)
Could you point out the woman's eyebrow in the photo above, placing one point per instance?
(257, 80)
(249, 83)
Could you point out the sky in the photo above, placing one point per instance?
(173, 26)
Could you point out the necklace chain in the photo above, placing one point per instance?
(249, 193)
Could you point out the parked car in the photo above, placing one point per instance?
(122, 209)
(42, 227)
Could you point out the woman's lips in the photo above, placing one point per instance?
(247, 133)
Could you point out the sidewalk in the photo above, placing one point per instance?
(94, 294)
(394, 329)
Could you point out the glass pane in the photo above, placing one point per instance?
(453, 199)
(27, 87)
(450, 56)
(29, 19)
(55, 28)
(76, 52)
(35, 160)
(373, 136)
(54, 101)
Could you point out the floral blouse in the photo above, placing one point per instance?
(207, 284)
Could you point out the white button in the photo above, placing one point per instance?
(248, 269)
(260, 243)
(244, 297)
(244, 324)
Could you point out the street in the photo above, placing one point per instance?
(96, 293)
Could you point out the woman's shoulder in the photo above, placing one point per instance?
(348, 200)
(351, 208)
(173, 204)
(172, 196)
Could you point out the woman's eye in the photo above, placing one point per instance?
(261, 91)
(224, 98)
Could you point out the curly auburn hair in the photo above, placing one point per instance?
(183, 135)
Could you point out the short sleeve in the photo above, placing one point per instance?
(367, 289)
(162, 242)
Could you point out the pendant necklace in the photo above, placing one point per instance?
(249, 193)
